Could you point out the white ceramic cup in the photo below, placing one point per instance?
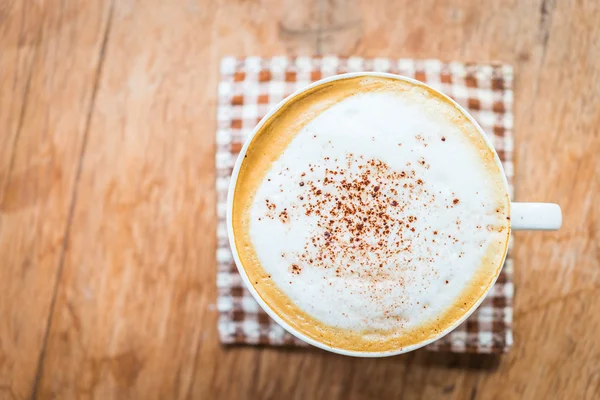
(524, 216)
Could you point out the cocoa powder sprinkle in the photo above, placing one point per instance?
(362, 227)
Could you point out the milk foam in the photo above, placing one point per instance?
(397, 285)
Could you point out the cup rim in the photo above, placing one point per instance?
(242, 271)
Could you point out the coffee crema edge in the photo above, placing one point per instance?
(268, 144)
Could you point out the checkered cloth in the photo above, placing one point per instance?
(251, 86)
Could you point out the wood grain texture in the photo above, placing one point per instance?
(108, 202)
(49, 59)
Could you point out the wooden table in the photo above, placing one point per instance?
(107, 198)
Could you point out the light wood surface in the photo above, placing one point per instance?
(107, 197)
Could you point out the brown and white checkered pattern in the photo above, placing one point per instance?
(251, 86)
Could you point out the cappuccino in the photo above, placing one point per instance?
(369, 214)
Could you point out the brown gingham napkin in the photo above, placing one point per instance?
(251, 86)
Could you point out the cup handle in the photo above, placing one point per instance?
(535, 216)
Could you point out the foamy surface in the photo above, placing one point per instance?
(377, 215)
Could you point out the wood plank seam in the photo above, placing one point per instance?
(97, 78)
(546, 13)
